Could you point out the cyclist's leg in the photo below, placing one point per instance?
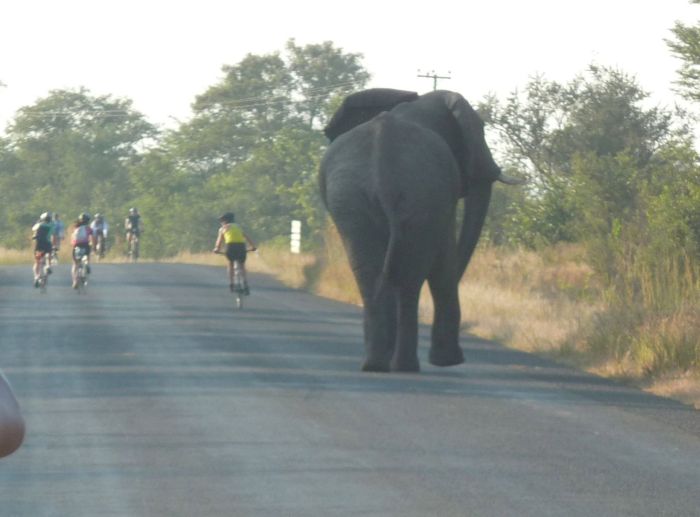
(36, 269)
(230, 266)
(87, 259)
(244, 274)
(231, 269)
(74, 269)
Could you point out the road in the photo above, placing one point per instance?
(151, 396)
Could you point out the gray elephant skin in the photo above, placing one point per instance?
(391, 179)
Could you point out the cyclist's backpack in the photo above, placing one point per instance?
(80, 235)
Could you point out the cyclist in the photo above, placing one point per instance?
(81, 239)
(59, 232)
(99, 229)
(235, 239)
(133, 226)
(43, 244)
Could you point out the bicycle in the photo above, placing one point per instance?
(100, 245)
(133, 246)
(43, 279)
(238, 287)
(80, 281)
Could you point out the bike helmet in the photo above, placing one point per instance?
(84, 218)
(228, 217)
(133, 211)
(98, 217)
(45, 217)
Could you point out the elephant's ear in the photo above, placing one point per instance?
(469, 124)
(360, 107)
(473, 154)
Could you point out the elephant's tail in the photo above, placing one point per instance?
(389, 276)
(389, 195)
(390, 269)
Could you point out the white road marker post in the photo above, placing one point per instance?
(295, 246)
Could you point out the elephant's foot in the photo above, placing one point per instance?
(375, 365)
(446, 357)
(405, 364)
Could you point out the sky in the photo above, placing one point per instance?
(162, 54)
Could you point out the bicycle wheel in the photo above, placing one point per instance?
(100, 247)
(81, 278)
(43, 279)
(83, 281)
(132, 250)
(238, 288)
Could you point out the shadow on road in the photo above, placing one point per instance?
(187, 340)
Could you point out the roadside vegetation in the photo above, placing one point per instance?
(594, 262)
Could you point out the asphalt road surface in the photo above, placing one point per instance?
(151, 396)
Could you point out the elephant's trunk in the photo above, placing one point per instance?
(476, 204)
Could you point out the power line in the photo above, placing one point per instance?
(432, 75)
(246, 103)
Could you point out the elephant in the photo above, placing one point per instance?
(391, 178)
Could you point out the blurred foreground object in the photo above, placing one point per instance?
(11, 421)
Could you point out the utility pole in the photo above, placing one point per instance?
(432, 75)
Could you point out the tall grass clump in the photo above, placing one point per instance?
(533, 301)
(651, 326)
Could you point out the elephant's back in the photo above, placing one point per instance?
(389, 143)
(389, 160)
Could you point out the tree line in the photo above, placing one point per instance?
(606, 169)
(252, 145)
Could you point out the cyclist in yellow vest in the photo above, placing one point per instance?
(235, 239)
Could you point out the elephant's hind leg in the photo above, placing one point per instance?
(380, 331)
(406, 353)
(379, 307)
(445, 349)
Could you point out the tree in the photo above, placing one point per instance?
(320, 69)
(254, 143)
(69, 153)
(686, 46)
(592, 136)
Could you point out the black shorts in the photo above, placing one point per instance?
(43, 247)
(236, 251)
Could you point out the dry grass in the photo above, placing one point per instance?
(525, 300)
(289, 268)
(682, 386)
(335, 278)
(10, 257)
